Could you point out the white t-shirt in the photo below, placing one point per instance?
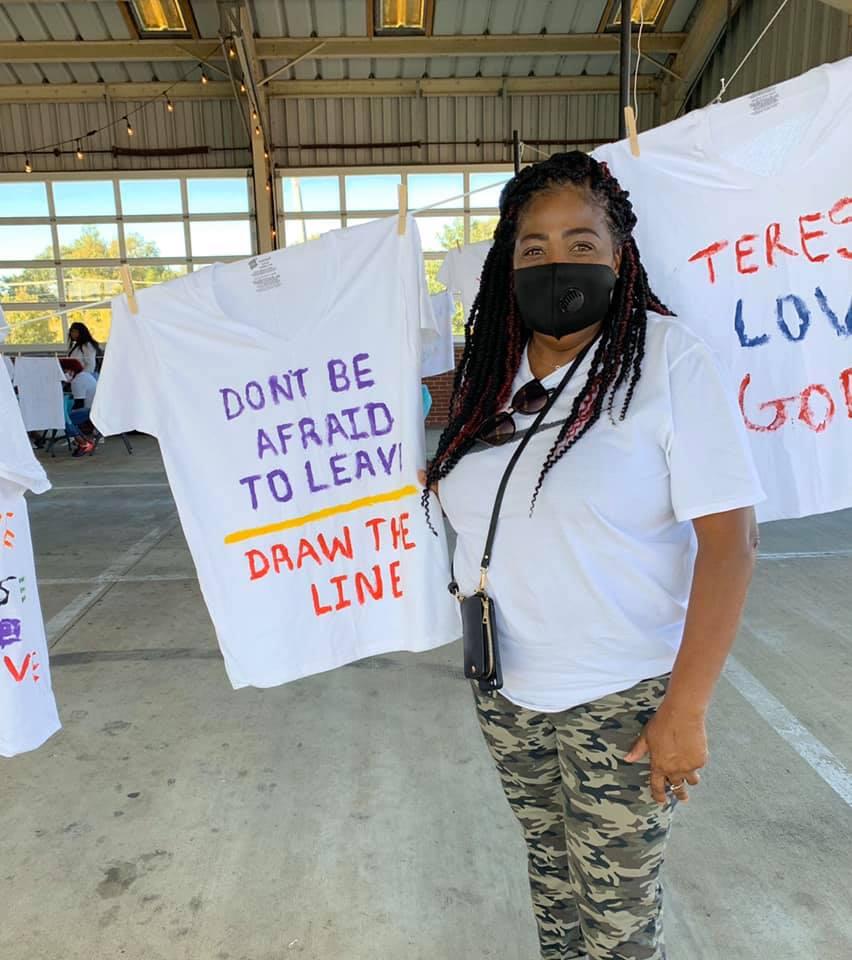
(83, 387)
(86, 354)
(285, 393)
(591, 591)
(27, 706)
(39, 381)
(439, 353)
(462, 269)
(745, 229)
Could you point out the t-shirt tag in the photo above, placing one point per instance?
(264, 274)
(763, 100)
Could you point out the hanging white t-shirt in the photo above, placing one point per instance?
(28, 713)
(438, 352)
(461, 271)
(745, 229)
(591, 591)
(285, 393)
(39, 381)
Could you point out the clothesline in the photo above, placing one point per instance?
(726, 83)
(101, 303)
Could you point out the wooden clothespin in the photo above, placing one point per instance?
(632, 135)
(127, 283)
(403, 209)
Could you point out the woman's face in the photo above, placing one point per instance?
(563, 226)
(74, 334)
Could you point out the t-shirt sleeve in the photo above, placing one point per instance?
(128, 393)
(416, 288)
(710, 463)
(446, 273)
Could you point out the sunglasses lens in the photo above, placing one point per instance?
(497, 430)
(531, 398)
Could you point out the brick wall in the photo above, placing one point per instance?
(441, 388)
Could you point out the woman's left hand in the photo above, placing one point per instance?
(677, 745)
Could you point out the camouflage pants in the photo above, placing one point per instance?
(595, 837)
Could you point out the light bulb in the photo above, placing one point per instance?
(242, 87)
(129, 128)
(203, 77)
(232, 53)
(254, 114)
(28, 167)
(80, 153)
(257, 131)
(170, 106)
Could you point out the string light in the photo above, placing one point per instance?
(232, 53)
(265, 154)
(242, 87)
(254, 114)
(268, 187)
(28, 167)
(257, 131)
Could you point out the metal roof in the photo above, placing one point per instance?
(101, 20)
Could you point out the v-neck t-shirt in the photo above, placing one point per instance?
(745, 229)
(591, 590)
(285, 393)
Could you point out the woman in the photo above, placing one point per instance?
(82, 346)
(624, 549)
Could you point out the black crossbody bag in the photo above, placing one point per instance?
(479, 627)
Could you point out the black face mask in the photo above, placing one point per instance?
(561, 298)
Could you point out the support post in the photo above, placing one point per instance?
(624, 65)
(516, 151)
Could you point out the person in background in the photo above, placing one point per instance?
(78, 426)
(82, 346)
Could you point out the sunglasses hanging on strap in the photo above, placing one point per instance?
(479, 627)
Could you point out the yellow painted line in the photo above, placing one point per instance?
(239, 535)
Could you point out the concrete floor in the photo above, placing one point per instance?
(355, 815)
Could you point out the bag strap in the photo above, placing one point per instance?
(516, 456)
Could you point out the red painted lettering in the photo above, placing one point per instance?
(281, 557)
(807, 235)
(342, 602)
(18, 675)
(744, 249)
(399, 533)
(306, 549)
(363, 586)
(773, 243)
(258, 564)
(846, 383)
(319, 610)
(375, 525)
(833, 213)
(396, 585)
(343, 547)
(709, 253)
(780, 410)
(806, 414)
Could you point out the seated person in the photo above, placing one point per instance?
(78, 425)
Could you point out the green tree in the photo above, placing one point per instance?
(481, 229)
(82, 282)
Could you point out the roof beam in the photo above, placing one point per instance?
(692, 56)
(285, 89)
(286, 48)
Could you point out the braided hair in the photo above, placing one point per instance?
(495, 336)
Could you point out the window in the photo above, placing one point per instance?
(314, 202)
(394, 18)
(160, 18)
(62, 241)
